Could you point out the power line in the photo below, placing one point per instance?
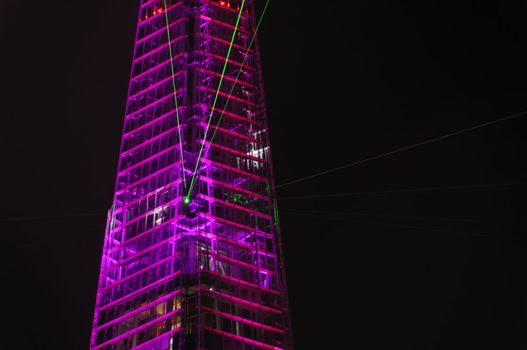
(50, 217)
(382, 215)
(45, 239)
(398, 150)
(404, 190)
(316, 196)
(491, 236)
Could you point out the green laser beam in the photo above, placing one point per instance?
(239, 72)
(404, 190)
(175, 94)
(415, 145)
(216, 97)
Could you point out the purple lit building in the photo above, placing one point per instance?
(192, 254)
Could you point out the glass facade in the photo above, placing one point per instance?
(191, 256)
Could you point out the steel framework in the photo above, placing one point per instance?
(192, 253)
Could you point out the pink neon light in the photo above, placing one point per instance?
(157, 244)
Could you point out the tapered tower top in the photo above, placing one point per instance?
(192, 253)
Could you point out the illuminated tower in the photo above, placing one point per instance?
(191, 255)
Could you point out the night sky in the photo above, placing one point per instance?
(427, 249)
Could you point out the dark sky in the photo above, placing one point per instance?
(438, 267)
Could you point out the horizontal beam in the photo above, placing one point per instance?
(153, 104)
(242, 339)
(222, 59)
(238, 262)
(230, 97)
(140, 272)
(147, 343)
(140, 309)
(150, 140)
(137, 329)
(224, 24)
(242, 282)
(157, 66)
(153, 121)
(226, 77)
(135, 292)
(236, 170)
(145, 251)
(234, 206)
(146, 178)
(222, 41)
(234, 188)
(232, 151)
(235, 224)
(157, 84)
(124, 244)
(157, 190)
(241, 319)
(159, 48)
(234, 11)
(244, 246)
(124, 225)
(144, 161)
(232, 133)
(160, 30)
(241, 301)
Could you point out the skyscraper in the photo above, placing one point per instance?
(192, 253)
